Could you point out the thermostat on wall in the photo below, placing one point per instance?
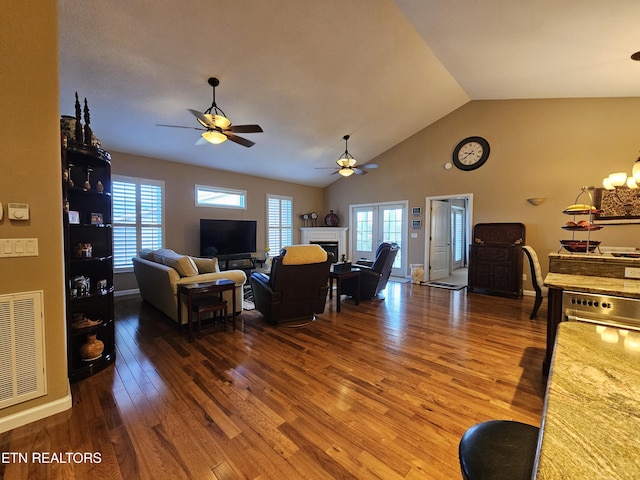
(19, 211)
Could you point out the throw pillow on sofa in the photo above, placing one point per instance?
(180, 263)
(206, 265)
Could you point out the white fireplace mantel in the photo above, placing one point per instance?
(327, 234)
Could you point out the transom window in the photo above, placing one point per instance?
(220, 197)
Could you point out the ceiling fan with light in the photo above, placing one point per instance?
(217, 127)
(347, 164)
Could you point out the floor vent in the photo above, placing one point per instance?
(22, 366)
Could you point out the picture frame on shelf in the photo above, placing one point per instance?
(74, 217)
(96, 218)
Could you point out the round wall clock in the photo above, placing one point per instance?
(471, 153)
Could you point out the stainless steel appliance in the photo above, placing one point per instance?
(608, 310)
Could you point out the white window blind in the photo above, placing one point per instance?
(458, 233)
(279, 222)
(138, 218)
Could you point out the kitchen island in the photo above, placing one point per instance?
(591, 420)
(597, 274)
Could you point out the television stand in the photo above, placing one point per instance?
(242, 261)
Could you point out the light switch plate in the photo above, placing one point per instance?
(18, 247)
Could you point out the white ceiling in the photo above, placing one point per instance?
(312, 71)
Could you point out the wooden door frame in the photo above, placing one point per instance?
(427, 224)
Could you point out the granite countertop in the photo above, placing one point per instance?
(632, 259)
(591, 422)
(624, 287)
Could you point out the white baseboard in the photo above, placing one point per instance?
(532, 293)
(124, 293)
(36, 413)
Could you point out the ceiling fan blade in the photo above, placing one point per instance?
(202, 118)
(244, 129)
(180, 126)
(201, 141)
(369, 166)
(239, 140)
(359, 171)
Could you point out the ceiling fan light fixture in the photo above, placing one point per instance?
(213, 136)
(221, 121)
(346, 161)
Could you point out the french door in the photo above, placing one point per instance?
(377, 223)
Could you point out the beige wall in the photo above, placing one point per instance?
(183, 217)
(31, 173)
(539, 148)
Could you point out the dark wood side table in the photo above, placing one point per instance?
(338, 277)
(202, 289)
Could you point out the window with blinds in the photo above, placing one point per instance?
(279, 222)
(138, 218)
(457, 226)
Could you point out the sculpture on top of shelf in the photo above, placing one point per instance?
(78, 124)
(87, 120)
(72, 128)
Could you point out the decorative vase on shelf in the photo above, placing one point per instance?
(69, 180)
(92, 349)
(87, 182)
(331, 220)
(99, 186)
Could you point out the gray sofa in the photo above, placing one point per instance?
(159, 272)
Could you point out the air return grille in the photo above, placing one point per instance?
(21, 348)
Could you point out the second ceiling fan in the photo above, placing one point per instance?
(347, 164)
(217, 127)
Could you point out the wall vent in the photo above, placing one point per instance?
(22, 365)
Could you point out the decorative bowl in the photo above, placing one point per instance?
(579, 245)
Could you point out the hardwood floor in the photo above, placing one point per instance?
(384, 390)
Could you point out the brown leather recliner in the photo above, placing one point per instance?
(373, 279)
(297, 286)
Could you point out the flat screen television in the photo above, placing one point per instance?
(227, 237)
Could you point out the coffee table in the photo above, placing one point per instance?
(201, 290)
(338, 277)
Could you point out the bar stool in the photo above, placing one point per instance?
(209, 305)
(498, 450)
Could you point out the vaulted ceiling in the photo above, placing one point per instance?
(312, 71)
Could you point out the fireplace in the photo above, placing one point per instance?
(330, 247)
(332, 239)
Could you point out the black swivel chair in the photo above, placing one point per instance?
(296, 287)
(373, 279)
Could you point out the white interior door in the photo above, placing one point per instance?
(377, 223)
(440, 254)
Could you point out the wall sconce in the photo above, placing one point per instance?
(536, 201)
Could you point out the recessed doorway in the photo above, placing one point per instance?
(448, 227)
